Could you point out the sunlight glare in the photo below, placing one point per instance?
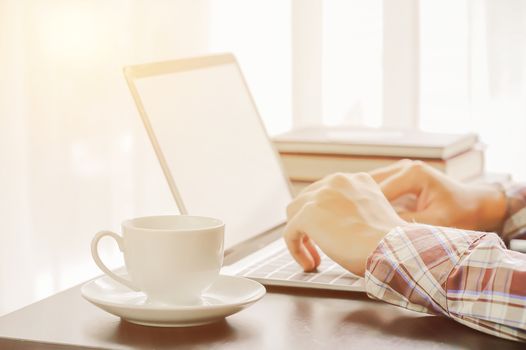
(68, 31)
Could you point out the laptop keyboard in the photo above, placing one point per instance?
(282, 267)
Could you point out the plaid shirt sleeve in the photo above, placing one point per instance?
(466, 275)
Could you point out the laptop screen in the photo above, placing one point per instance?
(213, 143)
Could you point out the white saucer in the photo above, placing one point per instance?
(225, 297)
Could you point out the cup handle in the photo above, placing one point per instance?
(100, 264)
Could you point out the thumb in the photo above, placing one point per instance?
(400, 183)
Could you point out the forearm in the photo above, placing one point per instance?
(491, 209)
(497, 209)
(466, 275)
(514, 226)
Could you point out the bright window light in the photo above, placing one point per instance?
(258, 33)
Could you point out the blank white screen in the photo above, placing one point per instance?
(216, 148)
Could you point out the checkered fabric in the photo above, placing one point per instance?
(466, 275)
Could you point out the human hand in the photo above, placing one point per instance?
(440, 200)
(345, 215)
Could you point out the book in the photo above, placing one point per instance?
(352, 140)
(312, 167)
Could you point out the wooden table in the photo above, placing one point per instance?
(283, 319)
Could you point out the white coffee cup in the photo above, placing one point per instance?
(172, 259)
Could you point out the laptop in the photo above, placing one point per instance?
(218, 161)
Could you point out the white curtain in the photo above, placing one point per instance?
(258, 33)
(500, 99)
(74, 158)
(473, 75)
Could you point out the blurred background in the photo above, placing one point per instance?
(74, 158)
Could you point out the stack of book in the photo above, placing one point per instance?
(309, 154)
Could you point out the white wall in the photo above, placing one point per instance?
(74, 158)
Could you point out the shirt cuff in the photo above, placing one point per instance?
(410, 266)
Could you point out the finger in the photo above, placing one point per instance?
(401, 183)
(312, 187)
(380, 174)
(311, 247)
(334, 179)
(424, 217)
(405, 203)
(299, 202)
(294, 238)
